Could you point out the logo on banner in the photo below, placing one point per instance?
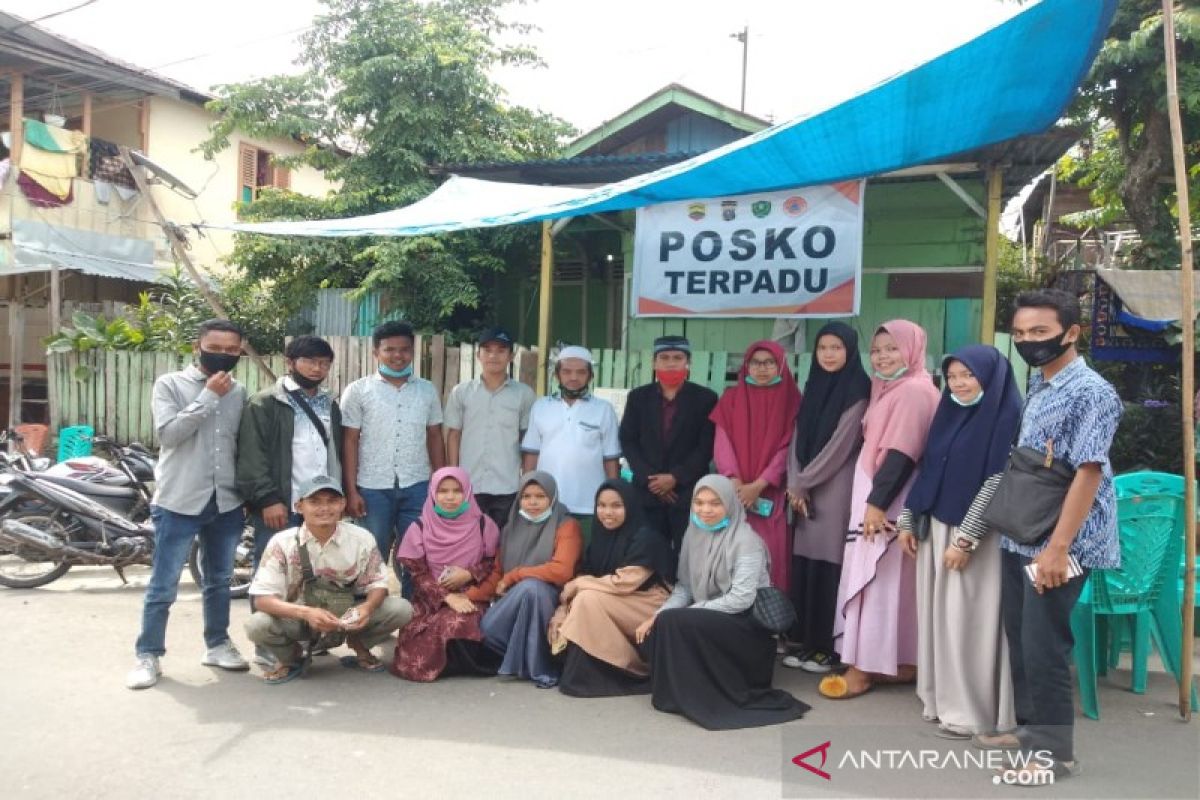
(795, 205)
(760, 208)
(728, 210)
(696, 211)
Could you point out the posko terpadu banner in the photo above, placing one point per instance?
(794, 253)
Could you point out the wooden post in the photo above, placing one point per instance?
(144, 124)
(183, 258)
(991, 258)
(55, 327)
(1187, 321)
(87, 114)
(16, 115)
(16, 349)
(545, 286)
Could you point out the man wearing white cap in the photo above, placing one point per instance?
(573, 436)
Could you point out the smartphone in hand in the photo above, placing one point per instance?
(1073, 570)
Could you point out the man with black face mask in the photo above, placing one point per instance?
(1071, 413)
(290, 433)
(196, 411)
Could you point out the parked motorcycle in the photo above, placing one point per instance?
(49, 501)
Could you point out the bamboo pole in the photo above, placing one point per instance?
(1187, 321)
(991, 257)
(545, 286)
(183, 258)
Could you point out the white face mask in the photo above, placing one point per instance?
(974, 401)
(542, 517)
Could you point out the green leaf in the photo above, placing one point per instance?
(82, 373)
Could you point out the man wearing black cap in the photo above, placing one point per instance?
(485, 420)
(667, 438)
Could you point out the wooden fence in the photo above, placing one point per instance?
(110, 391)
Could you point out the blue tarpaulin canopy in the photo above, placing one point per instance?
(1013, 80)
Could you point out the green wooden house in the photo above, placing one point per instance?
(924, 238)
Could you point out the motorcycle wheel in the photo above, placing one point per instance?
(20, 569)
(243, 564)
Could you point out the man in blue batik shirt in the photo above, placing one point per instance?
(1072, 406)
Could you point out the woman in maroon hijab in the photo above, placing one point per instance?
(754, 420)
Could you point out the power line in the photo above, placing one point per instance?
(29, 22)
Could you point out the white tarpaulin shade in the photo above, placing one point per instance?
(1013, 80)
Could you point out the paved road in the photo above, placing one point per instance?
(70, 729)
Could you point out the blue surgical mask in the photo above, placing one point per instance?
(772, 382)
(388, 372)
(972, 402)
(454, 514)
(891, 377)
(720, 526)
(542, 517)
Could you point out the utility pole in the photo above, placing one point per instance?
(179, 250)
(743, 36)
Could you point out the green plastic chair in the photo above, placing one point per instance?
(1134, 484)
(1151, 527)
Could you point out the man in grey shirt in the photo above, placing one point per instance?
(485, 420)
(196, 415)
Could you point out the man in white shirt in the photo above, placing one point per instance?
(309, 584)
(392, 441)
(573, 436)
(485, 419)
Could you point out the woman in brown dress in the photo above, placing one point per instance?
(620, 585)
(450, 548)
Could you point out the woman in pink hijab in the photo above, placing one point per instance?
(875, 631)
(754, 422)
(447, 550)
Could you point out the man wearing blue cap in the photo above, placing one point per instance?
(667, 438)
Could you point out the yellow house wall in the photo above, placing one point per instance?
(176, 129)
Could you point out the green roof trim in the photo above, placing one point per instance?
(668, 95)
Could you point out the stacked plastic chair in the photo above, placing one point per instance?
(1139, 598)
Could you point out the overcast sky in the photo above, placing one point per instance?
(601, 57)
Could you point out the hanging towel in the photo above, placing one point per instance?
(53, 171)
(104, 164)
(52, 139)
(5, 166)
(37, 195)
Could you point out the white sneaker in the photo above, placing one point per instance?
(225, 656)
(145, 673)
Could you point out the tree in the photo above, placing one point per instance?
(389, 89)
(1127, 164)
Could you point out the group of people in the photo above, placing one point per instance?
(521, 551)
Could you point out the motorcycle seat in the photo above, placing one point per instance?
(87, 488)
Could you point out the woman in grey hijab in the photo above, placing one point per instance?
(539, 552)
(709, 660)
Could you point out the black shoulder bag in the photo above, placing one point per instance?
(1029, 498)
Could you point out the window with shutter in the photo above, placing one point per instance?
(255, 170)
(247, 172)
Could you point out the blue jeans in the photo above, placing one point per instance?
(173, 535)
(389, 513)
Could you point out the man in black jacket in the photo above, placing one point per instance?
(289, 434)
(667, 438)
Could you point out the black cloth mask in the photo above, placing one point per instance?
(305, 382)
(1041, 352)
(212, 363)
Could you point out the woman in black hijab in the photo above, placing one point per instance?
(820, 482)
(620, 584)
